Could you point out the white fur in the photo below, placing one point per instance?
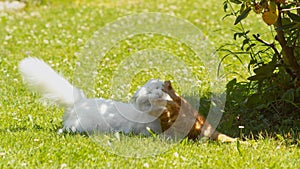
(93, 114)
(150, 98)
(45, 80)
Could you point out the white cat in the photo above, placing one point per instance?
(150, 98)
(95, 114)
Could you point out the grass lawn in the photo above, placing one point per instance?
(56, 31)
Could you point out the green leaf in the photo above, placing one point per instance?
(238, 34)
(250, 46)
(238, 147)
(245, 42)
(225, 6)
(256, 77)
(264, 71)
(286, 26)
(280, 137)
(289, 95)
(294, 17)
(230, 85)
(184, 142)
(242, 16)
(236, 1)
(243, 6)
(253, 100)
(297, 92)
(227, 15)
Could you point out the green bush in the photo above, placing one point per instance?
(270, 99)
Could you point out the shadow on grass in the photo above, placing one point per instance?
(265, 113)
(261, 115)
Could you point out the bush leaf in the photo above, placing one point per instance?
(294, 17)
(236, 1)
(289, 95)
(242, 16)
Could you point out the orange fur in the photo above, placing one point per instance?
(180, 108)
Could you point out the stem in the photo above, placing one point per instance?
(290, 9)
(243, 30)
(272, 45)
(288, 52)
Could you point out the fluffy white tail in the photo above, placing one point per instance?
(42, 78)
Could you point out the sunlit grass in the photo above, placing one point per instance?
(56, 31)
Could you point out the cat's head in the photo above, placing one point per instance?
(150, 97)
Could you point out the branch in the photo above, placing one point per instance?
(290, 9)
(288, 52)
(272, 45)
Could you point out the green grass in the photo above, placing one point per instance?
(56, 31)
